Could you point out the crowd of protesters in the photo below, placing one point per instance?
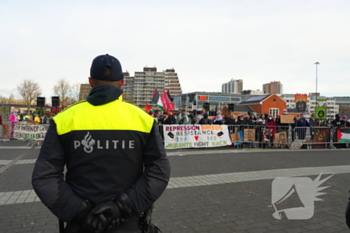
(17, 116)
(266, 125)
(202, 117)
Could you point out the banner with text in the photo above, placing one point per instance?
(195, 136)
(30, 132)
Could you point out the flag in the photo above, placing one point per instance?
(166, 102)
(157, 100)
(344, 135)
(169, 96)
(320, 112)
(148, 108)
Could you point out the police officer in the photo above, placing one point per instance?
(116, 167)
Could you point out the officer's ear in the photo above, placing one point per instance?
(91, 82)
(121, 83)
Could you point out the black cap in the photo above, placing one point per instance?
(107, 68)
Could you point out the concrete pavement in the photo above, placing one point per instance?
(211, 190)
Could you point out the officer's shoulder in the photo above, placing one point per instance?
(136, 108)
(71, 107)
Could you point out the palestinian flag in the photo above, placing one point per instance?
(344, 135)
(156, 99)
(148, 108)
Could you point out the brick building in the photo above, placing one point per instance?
(271, 104)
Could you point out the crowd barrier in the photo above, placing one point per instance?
(33, 134)
(5, 130)
(240, 136)
(262, 136)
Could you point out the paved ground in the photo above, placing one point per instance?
(211, 190)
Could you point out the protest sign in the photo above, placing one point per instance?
(287, 119)
(235, 137)
(281, 139)
(195, 136)
(30, 132)
(249, 135)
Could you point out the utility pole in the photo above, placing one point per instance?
(316, 63)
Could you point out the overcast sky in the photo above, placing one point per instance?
(207, 42)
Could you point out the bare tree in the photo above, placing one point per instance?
(75, 92)
(29, 90)
(62, 89)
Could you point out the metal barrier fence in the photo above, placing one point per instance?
(243, 136)
(265, 136)
(32, 134)
(5, 131)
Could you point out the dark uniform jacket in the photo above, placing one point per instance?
(108, 146)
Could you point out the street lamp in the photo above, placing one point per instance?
(316, 63)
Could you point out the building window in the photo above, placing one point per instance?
(274, 112)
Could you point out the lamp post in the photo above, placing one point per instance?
(316, 63)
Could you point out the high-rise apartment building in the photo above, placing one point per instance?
(128, 88)
(138, 89)
(144, 84)
(171, 82)
(84, 91)
(233, 86)
(273, 88)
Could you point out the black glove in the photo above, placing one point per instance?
(347, 215)
(109, 215)
(93, 223)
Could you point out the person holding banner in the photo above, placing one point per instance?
(116, 165)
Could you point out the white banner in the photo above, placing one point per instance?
(196, 136)
(25, 131)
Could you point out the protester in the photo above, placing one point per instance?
(218, 120)
(344, 120)
(183, 118)
(192, 117)
(36, 118)
(26, 117)
(302, 124)
(252, 120)
(43, 119)
(168, 118)
(20, 116)
(337, 122)
(312, 120)
(262, 120)
(270, 129)
(14, 120)
(228, 119)
(205, 120)
(200, 115)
